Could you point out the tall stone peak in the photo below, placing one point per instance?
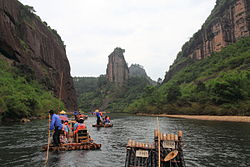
(117, 70)
(27, 41)
(119, 52)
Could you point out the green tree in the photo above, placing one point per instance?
(173, 93)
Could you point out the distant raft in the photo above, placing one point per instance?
(146, 154)
(103, 125)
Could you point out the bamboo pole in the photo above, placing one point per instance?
(60, 92)
(47, 155)
(159, 142)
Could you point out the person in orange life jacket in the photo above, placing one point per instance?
(81, 116)
(80, 126)
(106, 120)
(57, 126)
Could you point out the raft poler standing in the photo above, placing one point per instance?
(57, 126)
(98, 116)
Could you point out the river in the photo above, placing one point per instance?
(207, 143)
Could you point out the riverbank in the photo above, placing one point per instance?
(204, 117)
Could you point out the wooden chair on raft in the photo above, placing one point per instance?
(82, 136)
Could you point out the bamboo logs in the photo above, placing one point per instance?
(74, 146)
(146, 154)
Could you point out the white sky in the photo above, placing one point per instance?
(151, 31)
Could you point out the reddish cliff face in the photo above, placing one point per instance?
(228, 22)
(117, 69)
(25, 40)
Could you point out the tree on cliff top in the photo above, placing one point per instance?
(30, 8)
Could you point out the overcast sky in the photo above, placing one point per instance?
(151, 31)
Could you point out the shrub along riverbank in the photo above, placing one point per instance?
(21, 96)
(217, 85)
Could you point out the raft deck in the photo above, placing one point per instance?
(79, 141)
(146, 154)
(73, 146)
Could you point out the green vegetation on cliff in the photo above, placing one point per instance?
(21, 96)
(99, 93)
(217, 85)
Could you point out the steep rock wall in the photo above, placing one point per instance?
(117, 70)
(25, 40)
(228, 22)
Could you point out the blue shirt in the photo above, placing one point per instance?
(98, 114)
(55, 122)
(66, 128)
(75, 126)
(107, 121)
(76, 112)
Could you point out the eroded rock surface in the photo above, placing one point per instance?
(117, 69)
(27, 41)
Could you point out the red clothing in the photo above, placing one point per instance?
(80, 126)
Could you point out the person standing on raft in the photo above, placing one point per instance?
(98, 116)
(57, 126)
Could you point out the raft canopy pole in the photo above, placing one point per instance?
(159, 143)
(47, 155)
(60, 92)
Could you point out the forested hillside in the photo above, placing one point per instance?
(100, 93)
(219, 85)
(21, 96)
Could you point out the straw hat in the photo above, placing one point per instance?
(62, 112)
(171, 155)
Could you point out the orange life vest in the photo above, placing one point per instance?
(80, 127)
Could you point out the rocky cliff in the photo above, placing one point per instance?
(136, 70)
(228, 22)
(117, 70)
(29, 43)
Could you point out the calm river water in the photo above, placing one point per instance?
(207, 143)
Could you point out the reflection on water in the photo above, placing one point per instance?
(207, 143)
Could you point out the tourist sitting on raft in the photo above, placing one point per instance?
(55, 125)
(107, 120)
(79, 115)
(79, 126)
(65, 130)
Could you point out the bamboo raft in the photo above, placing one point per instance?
(103, 125)
(73, 146)
(79, 141)
(147, 155)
